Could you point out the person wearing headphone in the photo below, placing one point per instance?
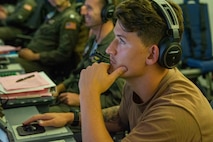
(159, 103)
(98, 17)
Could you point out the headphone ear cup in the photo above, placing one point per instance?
(107, 12)
(170, 53)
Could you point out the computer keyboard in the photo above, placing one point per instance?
(12, 103)
(11, 69)
(8, 74)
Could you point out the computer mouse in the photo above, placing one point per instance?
(29, 128)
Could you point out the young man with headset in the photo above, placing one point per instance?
(159, 103)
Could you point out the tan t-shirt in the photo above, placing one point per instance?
(178, 112)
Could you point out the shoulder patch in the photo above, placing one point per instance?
(70, 25)
(28, 7)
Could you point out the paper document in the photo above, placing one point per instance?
(7, 48)
(34, 81)
(23, 95)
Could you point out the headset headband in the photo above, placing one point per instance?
(170, 17)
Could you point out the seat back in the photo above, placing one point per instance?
(196, 41)
(197, 45)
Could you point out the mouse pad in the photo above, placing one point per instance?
(49, 131)
(30, 129)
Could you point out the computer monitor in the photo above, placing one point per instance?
(5, 134)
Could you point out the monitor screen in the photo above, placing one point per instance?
(3, 136)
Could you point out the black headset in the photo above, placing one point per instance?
(107, 11)
(169, 46)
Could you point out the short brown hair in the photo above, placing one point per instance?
(140, 16)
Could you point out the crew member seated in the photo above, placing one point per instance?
(53, 45)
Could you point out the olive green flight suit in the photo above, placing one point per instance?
(55, 41)
(109, 98)
(11, 26)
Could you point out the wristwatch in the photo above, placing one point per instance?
(76, 117)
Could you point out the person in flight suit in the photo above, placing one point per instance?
(5, 10)
(27, 16)
(101, 29)
(10, 25)
(16, 23)
(54, 43)
(67, 97)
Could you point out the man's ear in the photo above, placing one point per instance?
(153, 55)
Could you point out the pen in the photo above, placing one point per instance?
(19, 80)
